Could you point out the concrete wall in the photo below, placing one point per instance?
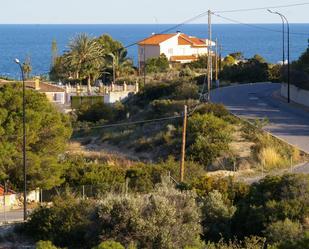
(297, 95)
(113, 97)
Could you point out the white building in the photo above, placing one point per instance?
(55, 94)
(176, 47)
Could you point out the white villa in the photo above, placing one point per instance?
(176, 47)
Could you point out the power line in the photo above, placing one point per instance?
(128, 123)
(262, 8)
(256, 26)
(175, 26)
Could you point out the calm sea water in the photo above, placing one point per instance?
(19, 41)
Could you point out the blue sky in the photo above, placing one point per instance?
(140, 11)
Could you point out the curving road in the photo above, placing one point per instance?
(286, 121)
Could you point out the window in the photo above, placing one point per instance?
(170, 51)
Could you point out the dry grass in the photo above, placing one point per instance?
(270, 158)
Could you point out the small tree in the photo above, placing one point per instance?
(157, 65)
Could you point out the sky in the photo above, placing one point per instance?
(141, 11)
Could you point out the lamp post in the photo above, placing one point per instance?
(24, 139)
(284, 19)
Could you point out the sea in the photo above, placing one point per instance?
(34, 41)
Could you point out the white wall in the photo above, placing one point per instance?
(297, 95)
(113, 97)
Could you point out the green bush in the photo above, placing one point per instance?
(217, 216)
(200, 63)
(157, 65)
(95, 112)
(217, 110)
(65, 223)
(163, 219)
(110, 244)
(281, 231)
(247, 243)
(253, 70)
(298, 243)
(208, 138)
(45, 245)
(272, 199)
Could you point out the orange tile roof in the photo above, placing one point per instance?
(193, 40)
(45, 87)
(183, 39)
(156, 39)
(183, 58)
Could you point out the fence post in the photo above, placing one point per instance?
(126, 186)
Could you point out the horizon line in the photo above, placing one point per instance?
(154, 24)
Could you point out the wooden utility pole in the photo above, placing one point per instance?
(209, 66)
(144, 65)
(183, 147)
(216, 62)
(220, 57)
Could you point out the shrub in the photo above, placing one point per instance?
(217, 217)
(65, 223)
(299, 243)
(109, 244)
(45, 245)
(286, 230)
(157, 65)
(201, 62)
(208, 137)
(217, 110)
(247, 243)
(272, 199)
(166, 218)
(253, 70)
(95, 112)
(270, 158)
(231, 190)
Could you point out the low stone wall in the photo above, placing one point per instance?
(297, 95)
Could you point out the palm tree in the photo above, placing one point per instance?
(85, 58)
(27, 68)
(119, 63)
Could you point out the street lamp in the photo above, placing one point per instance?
(24, 139)
(284, 19)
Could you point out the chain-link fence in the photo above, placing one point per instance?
(11, 203)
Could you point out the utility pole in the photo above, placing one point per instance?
(209, 66)
(144, 65)
(220, 57)
(216, 64)
(183, 147)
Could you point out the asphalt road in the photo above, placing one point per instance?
(287, 121)
(11, 216)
